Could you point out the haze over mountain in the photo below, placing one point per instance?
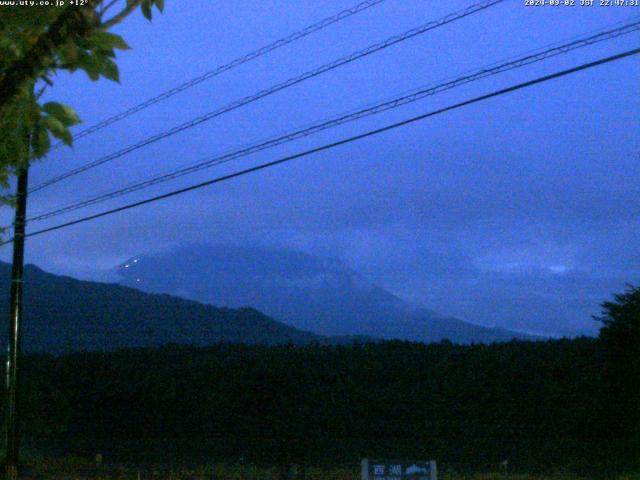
(307, 292)
(62, 314)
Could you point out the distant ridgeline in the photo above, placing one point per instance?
(542, 406)
(62, 315)
(311, 293)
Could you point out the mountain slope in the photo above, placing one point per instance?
(63, 314)
(307, 292)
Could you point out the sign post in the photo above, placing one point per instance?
(398, 470)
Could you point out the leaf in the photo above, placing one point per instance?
(146, 9)
(69, 53)
(108, 41)
(160, 5)
(65, 114)
(58, 130)
(91, 65)
(66, 137)
(110, 71)
(54, 125)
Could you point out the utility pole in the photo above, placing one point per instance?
(15, 319)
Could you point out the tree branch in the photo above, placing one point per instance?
(74, 21)
(131, 6)
(105, 8)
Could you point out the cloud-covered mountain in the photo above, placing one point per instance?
(307, 292)
(62, 314)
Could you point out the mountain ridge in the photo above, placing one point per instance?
(304, 291)
(63, 314)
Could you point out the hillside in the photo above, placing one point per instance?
(307, 292)
(63, 314)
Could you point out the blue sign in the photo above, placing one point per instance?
(398, 470)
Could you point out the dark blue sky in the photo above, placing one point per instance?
(522, 211)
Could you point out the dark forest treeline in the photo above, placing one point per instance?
(542, 405)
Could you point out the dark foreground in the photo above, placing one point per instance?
(78, 469)
(545, 406)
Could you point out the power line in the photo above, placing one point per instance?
(326, 22)
(276, 88)
(484, 72)
(338, 143)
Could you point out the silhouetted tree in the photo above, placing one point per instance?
(620, 338)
